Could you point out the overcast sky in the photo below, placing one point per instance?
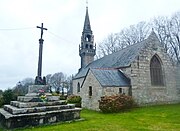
(64, 20)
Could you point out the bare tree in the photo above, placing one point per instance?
(21, 87)
(161, 27)
(108, 45)
(69, 85)
(175, 36)
(27, 81)
(127, 36)
(48, 79)
(168, 30)
(56, 81)
(59, 82)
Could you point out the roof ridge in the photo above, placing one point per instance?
(132, 45)
(105, 68)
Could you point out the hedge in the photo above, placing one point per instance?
(116, 103)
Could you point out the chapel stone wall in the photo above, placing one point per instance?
(91, 102)
(75, 85)
(108, 91)
(142, 90)
(178, 80)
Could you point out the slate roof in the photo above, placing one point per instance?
(111, 77)
(121, 58)
(118, 59)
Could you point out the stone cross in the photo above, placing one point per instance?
(39, 79)
(41, 29)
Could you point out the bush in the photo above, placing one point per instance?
(116, 103)
(55, 94)
(63, 97)
(73, 99)
(8, 96)
(1, 102)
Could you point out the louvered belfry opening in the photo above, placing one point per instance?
(156, 72)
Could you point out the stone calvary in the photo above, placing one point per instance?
(38, 106)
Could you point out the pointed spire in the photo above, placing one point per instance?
(153, 35)
(87, 26)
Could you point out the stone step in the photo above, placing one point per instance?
(33, 119)
(20, 104)
(37, 94)
(27, 98)
(14, 110)
(36, 98)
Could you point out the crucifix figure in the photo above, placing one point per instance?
(39, 80)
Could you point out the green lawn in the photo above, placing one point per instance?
(161, 118)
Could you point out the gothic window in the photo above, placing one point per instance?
(156, 72)
(78, 87)
(90, 91)
(86, 46)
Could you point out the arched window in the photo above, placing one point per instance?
(156, 72)
(91, 46)
(88, 38)
(78, 87)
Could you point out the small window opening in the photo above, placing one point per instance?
(120, 91)
(91, 47)
(90, 90)
(86, 45)
(78, 87)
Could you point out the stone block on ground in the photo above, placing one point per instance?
(34, 119)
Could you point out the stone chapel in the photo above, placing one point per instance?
(143, 70)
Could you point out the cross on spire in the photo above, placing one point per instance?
(86, 3)
(42, 28)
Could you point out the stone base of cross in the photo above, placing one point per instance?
(40, 81)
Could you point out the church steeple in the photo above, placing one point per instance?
(87, 25)
(87, 50)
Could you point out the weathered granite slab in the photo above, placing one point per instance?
(36, 98)
(27, 98)
(37, 88)
(52, 98)
(37, 94)
(33, 119)
(14, 110)
(20, 104)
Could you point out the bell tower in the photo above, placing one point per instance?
(87, 50)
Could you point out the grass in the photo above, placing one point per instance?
(160, 118)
